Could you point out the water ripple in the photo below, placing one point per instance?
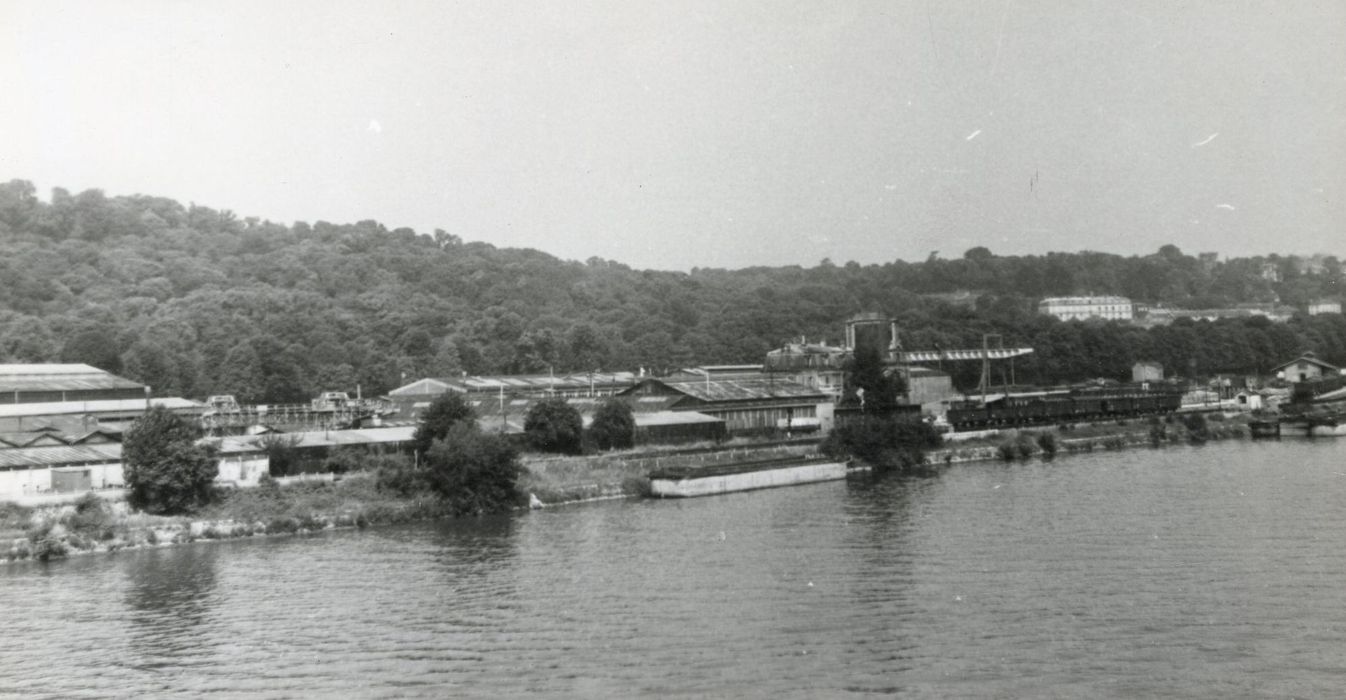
(1209, 572)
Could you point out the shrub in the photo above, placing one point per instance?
(472, 471)
(1158, 434)
(1024, 446)
(1197, 430)
(614, 426)
(443, 414)
(282, 451)
(552, 425)
(401, 479)
(92, 517)
(1047, 443)
(342, 460)
(48, 548)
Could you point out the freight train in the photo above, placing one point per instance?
(1063, 406)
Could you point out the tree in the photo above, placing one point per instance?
(552, 425)
(869, 383)
(472, 471)
(885, 441)
(614, 425)
(282, 452)
(166, 472)
(448, 410)
(95, 347)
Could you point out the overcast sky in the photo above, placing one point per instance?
(686, 134)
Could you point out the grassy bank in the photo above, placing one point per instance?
(356, 500)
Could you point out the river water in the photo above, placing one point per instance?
(1215, 571)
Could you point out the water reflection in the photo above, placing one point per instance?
(169, 598)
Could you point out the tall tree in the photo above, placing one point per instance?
(440, 417)
(166, 472)
(552, 425)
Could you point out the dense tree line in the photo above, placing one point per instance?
(197, 301)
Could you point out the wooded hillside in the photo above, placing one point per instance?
(196, 301)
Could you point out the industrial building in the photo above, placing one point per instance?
(1305, 368)
(745, 405)
(61, 425)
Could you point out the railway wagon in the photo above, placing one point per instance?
(1040, 408)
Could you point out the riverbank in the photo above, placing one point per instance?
(98, 525)
(95, 524)
(1049, 441)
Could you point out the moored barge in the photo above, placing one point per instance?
(686, 482)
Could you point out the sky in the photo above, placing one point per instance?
(719, 133)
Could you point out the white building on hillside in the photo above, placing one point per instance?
(1068, 308)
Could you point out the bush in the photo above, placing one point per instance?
(614, 426)
(343, 460)
(1047, 443)
(886, 442)
(48, 548)
(92, 516)
(472, 471)
(1197, 430)
(166, 472)
(282, 451)
(1158, 434)
(401, 479)
(552, 425)
(444, 413)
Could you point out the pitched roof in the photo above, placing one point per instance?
(102, 406)
(733, 390)
(45, 377)
(1306, 357)
(26, 457)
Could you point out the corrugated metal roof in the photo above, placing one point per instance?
(109, 406)
(727, 390)
(333, 438)
(420, 387)
(528, 382)
(25, 457)
(60, 378)
(646, 420)
(42, 368)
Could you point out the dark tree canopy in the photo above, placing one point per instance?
(552, 425)
(474, 472)
(440, 417)
(886, 441)
(198, 301)
(166, 472)
(614, 425)
(869, 383)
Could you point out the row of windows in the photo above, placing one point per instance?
(751, 419)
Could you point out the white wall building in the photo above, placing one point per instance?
(1324, 306)
(1068, 308)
